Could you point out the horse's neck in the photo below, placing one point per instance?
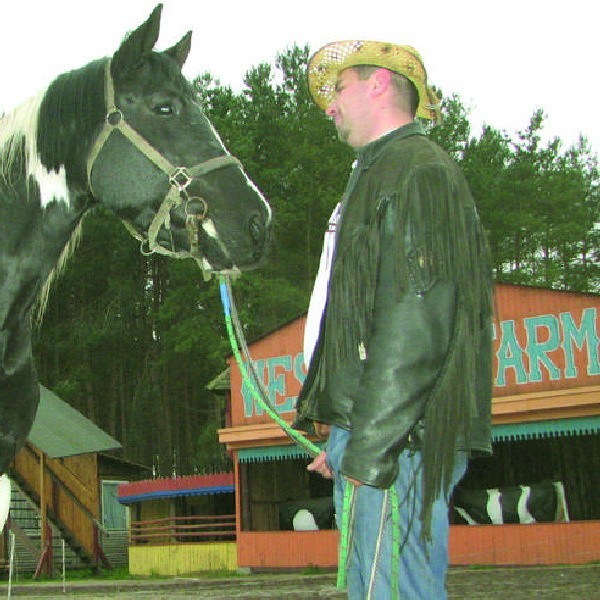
(33, 243)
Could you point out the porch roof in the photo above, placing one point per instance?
(193, 485)
(500, 433)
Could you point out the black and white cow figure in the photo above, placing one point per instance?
(540, 502)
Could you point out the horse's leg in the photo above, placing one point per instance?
(19, 391)
(19, 399)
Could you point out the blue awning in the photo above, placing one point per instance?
(160, 495)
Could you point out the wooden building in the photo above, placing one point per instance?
(181, 525)
(64, 489)
(546, 420)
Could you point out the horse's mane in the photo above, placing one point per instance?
(70, 114)
(48, 138)
(56, 127)
(18, 135)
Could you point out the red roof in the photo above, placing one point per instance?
(192, 485)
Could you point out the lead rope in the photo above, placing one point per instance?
(262, 399)
(344, 551)
(395, 541)
(260, 395)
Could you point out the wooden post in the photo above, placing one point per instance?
(172, 521)
(43, 507)
(100, 558)
(45, 562)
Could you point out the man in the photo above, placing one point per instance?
(401, 370)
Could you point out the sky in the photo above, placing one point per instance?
(504, 59)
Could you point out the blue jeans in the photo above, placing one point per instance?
(422, 568)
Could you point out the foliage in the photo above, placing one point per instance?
(132, 341)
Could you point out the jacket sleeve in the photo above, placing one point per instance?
(409, 340)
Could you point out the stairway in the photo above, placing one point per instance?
(25, 524)
(71, 508)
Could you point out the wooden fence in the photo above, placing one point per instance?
(174, 530)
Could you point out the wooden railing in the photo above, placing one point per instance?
(176, 530)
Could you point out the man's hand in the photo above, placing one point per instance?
(319, 465)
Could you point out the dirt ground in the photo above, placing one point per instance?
(517, 583)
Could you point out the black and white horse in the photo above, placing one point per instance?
(128, 133)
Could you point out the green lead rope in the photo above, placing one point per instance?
(395, 541)
(345, 535)
(312, 449)
(344, 550)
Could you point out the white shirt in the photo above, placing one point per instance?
(318, 297)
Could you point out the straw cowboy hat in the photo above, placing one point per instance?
(327, 63)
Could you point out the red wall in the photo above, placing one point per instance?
(534, 544)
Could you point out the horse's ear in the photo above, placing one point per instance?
(179, 52)
(138, 44)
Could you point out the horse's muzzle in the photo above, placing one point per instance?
(224, 243)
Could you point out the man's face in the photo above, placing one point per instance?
(350, 108)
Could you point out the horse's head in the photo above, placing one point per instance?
(159, 164)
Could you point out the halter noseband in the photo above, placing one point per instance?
(179, 178)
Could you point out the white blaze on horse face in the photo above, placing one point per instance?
(259, 193)
(217, 136)
(249, 181)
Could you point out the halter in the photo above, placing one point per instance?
(179, 179)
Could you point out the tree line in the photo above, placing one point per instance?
(132, 341)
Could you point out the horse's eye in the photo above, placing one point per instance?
(164, 109)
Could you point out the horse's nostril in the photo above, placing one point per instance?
(256, 230)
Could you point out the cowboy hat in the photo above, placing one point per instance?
(326, 64)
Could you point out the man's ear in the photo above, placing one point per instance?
(380, 81)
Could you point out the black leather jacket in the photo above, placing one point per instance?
(405, 343)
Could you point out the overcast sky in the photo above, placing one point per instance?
(505, 59)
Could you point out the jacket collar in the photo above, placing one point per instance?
(369, 153)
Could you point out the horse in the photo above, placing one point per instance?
(126, 132)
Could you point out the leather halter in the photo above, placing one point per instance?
(179, 178)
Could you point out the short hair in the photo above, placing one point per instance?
(407, 97)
